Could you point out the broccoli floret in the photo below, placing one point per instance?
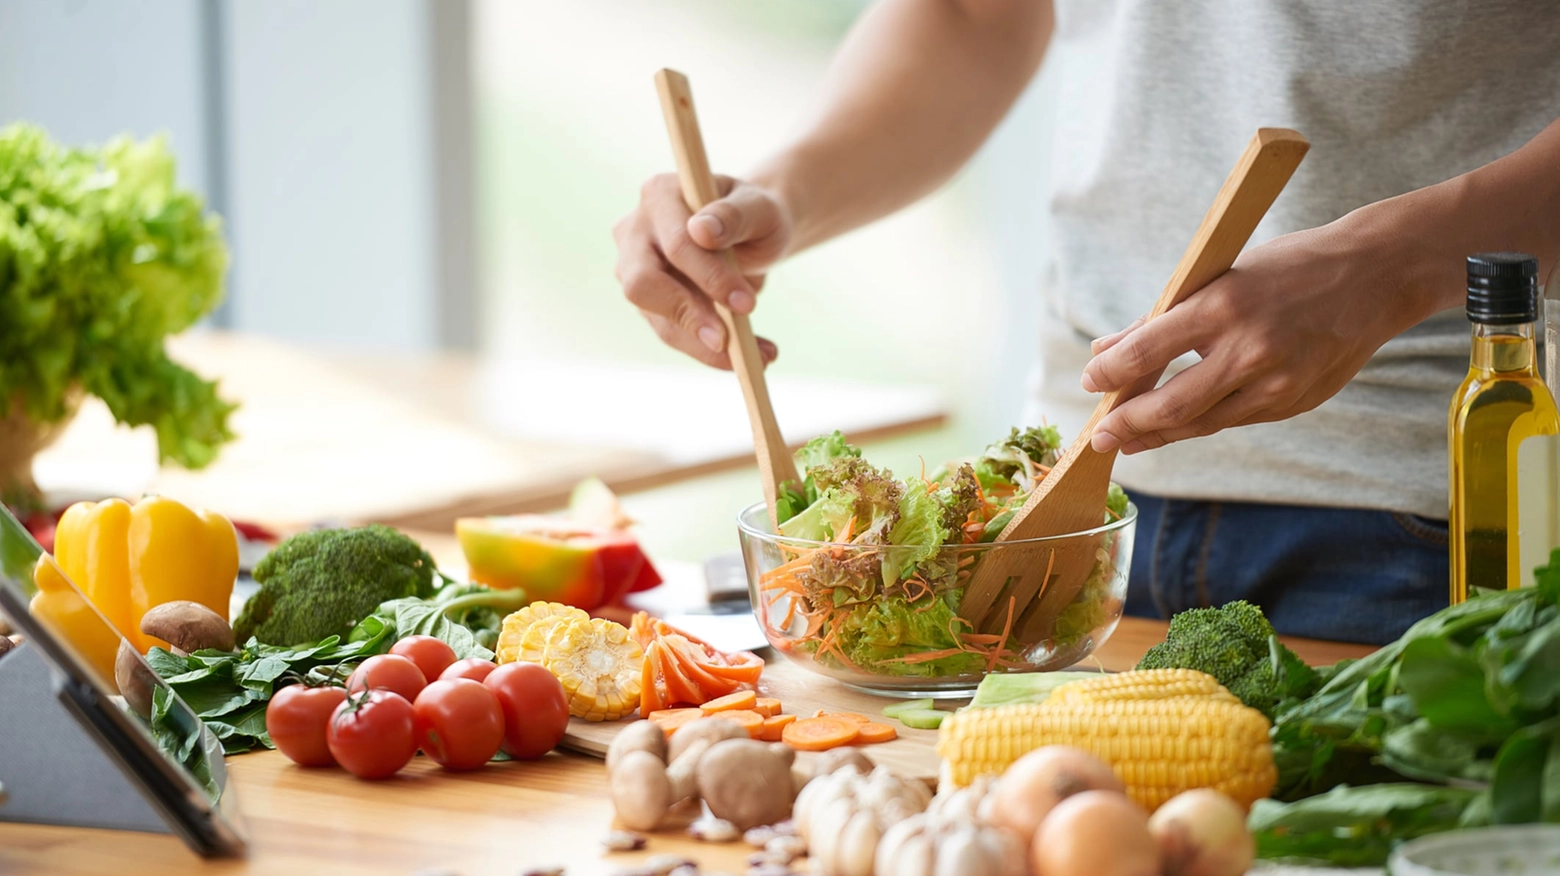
(1236, 645)
(321, 583)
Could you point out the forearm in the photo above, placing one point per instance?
(1509, 204)
(916, 88)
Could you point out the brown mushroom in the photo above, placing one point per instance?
(712, 729)
(6, 644)
(638, 736)
(641, 791)
(644, 786)
(747, 782)
(188, 627)
(135, 679)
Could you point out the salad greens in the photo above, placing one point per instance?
(103, 255)
(890, 603)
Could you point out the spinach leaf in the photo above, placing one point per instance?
(412, 617)
(1448, 688)
(229, 691)
(1518, 792)
(1356, 826)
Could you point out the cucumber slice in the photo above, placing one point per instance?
(923, 719)
(894, 710)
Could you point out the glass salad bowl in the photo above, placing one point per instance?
(828, 607)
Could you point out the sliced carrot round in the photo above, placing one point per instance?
(670, 719)
(819, 734)
(872, 731)
(852, 716)
(767, 706)
(774, 726)
(742, 699)
(750, 721)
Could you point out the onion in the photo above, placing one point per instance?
(1039, 780)
(1202, 833)
(1095, 833)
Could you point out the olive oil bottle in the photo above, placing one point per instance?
(1501, 403)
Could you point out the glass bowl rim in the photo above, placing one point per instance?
(742, 525)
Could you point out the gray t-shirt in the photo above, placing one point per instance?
(1158, 99)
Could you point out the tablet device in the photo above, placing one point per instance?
(161, 746)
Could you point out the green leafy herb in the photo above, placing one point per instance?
(229, 691)
(467, 617)
(1466, 696)
(182, 739)
(1356, 826)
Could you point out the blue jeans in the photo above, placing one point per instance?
(1327, 573)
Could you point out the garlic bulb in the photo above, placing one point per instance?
(843, 815)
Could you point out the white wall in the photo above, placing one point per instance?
(329, 181)
(331, 185)
(89, 69)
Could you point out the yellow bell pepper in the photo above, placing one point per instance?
(68, 615)
(130, 559)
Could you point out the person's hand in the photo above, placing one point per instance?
(1286, 328)
(670, 269)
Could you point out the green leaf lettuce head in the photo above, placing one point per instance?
(323, 582)
(102, 256)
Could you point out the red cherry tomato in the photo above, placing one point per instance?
(296, 720)
(431, 655)
(474, 668)
(390, 672)
(373, 734)
(536, 710)
(459, 723)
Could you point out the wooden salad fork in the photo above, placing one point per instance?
(776, 466)
(1026, 589)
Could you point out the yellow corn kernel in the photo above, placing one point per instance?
(1144, 684)
(1158, 747)
(536, 621)
(599, 665)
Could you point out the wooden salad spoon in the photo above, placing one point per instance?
(775, 464)
(1025, 590)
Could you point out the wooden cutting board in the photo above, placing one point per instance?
(802, 692)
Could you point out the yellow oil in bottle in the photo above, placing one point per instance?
(1501, 403)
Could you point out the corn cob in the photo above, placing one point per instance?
(524, 634)
(1158, 747)
(599, 665)
(1144, 684)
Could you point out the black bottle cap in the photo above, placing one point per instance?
(1502, 288)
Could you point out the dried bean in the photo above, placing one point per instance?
(623, 841)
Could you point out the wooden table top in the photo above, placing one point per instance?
(418, 440)
(509, 818)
